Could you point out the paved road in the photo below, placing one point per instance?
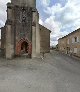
(56, 73)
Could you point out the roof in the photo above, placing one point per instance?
(70, 33)
(44, 27)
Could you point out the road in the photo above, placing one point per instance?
(55, 73)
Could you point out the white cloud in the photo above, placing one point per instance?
(3, 14)
(40, 21)
(63, 20)
(45, 2)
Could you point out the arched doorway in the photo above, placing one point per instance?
(24, 47)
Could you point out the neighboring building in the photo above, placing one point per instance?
(62, 44)
(44, 39)
(22, 32)
(70, 44)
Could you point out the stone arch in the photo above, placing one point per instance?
(23, 46)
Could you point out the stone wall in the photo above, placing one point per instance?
(3, 36)
(44, 39)
(22, 25)
(29, 3)
(62, 44)
(68, 44)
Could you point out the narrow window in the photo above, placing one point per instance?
(75, 39)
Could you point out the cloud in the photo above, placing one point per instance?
(45, 2)
(40, 21)
(3, 13)
(1, 23)
(62, 20)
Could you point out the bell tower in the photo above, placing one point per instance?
(22, 29)
(27, 3)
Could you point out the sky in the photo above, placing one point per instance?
(60, 16)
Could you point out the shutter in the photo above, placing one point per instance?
(75, 50)
(77, 39)
(68, 41)
(73, 40)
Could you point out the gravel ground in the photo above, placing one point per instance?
(55, 73)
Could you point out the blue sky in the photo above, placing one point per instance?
(60, 16)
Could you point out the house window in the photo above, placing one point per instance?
(75, 50)
(75, 39)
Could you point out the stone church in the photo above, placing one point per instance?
(22, 32)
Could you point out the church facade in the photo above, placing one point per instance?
(22, 32)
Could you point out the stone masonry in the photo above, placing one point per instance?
(21, 33)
